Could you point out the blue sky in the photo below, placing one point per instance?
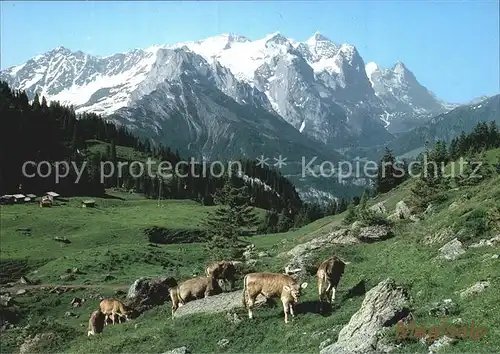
(452, 47)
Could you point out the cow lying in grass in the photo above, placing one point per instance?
(272, 285)
(195, 288)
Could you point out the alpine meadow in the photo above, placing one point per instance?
(222, 177)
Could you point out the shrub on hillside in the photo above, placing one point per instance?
(472, 226)
(350, 216)
(369, 217)
(474, 173)
(363, 214)
(494, 219)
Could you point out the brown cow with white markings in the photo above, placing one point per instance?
(272, 285)
(195, 288)
(328, 276)
(224, 270)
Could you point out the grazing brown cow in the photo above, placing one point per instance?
(328, 276)
(224, 270)
(195, 288)
(96, 323)
(112, 308)
(271, 285)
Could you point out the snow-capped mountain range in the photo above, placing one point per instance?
(316, 93)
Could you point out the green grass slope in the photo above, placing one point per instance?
(107, 239)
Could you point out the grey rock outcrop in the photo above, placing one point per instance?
(402, 210)
(5, 300)
(379, 208)
(475, 289)
(383, 306)
(300, 254)
(440, 343)
(452, 250)
(180, 350)
(492, 242)
(374, 233)
(225, 302)
(145, 293)
(224, 342)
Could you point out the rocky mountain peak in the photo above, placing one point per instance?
(318, 37)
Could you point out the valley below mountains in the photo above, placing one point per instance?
(228, 97)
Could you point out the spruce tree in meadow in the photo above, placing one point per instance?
(230, 220)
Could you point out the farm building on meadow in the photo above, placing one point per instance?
(88, 203)
(30, 198)
(7, 199)
(52, 195)
(19, 198)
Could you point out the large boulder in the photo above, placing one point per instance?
(180, 350)
(441, 343)
(225, 302)
(24, 280)
(475, 289)
(374, 233)
(451, 250)
(492, 242)
(402, 210)
(383, 306)
(299, 256)
(145, 293)
(342, 236)
(5, 300)
(379, 208)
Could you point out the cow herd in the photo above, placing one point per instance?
(270, 285)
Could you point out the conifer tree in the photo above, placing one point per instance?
(430, 184)
(284, 222)
(44, 104)
(351, 215)
(232, 216)
(389, 174)
(331, 208)
(35, 106)
(270, 224)
(114, 159)
(302, 217)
